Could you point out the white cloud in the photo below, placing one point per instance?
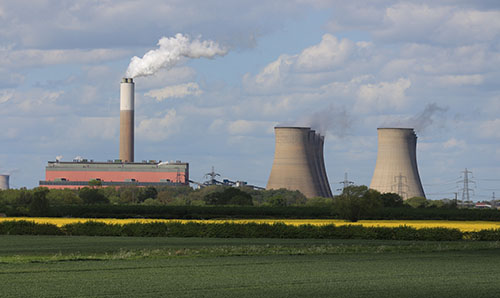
(437, 23)
(173, 76)
(159, 129)
(454, 143)
(457, 80)
(177, 91)
(307, 68)
(103, 128)
(37, 57)
(383, 95)
(329, 53)
(6, 95)
(490, 129)
(245, 127)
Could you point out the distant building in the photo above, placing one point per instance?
(77, 174)
(480, 205)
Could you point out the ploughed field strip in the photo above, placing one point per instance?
(369, 269)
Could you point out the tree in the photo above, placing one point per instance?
(229, 196)
(283, 197)
(92, 196)
(147, 193)
(417, 202)
(63, 197)
(391, 200)
(320, 202)
(95, 183)
(129, 194)
(39, 205)
(356, 202)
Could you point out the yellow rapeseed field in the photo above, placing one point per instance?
(465, 226)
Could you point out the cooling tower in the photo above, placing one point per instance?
(298, 162)
(127, 120)
(396, 169)
(4, 182)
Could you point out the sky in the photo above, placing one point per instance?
(344, 67)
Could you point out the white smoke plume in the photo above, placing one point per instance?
(332, 119)
(170, 51)
(431, 114)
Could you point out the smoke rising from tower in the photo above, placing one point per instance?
(422, 120)
(170, 51)
(332, 119)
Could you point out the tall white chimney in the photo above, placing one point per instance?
(127, 120)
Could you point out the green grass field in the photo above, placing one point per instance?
(51, 266)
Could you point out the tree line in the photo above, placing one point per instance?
(353, 203)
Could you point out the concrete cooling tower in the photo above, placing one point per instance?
(4, 182)
(298, 162)
(127, 120)
(396, 169)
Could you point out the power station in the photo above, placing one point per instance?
(120, 172)
(4, 182)
(299, 163)
(396, 169)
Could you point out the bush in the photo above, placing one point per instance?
(357, 202)
(229, 196)
(92, 228)
(92, 196)
(250, 230)
(23, 227)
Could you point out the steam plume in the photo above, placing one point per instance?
(335, 120)
(421, 121)
(170, 51)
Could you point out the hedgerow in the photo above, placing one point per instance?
(248, 230)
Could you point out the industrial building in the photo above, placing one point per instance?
(4, 182)
(77, 174)
(123, 171)
(396, 169)
(299, 163)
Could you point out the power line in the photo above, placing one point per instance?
(345, 183)
(466, 190)
(400, 186)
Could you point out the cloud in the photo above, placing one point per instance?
(306, 68)
(177, 91)
(173, 76)
(160, 129)
(329, 53)
(36, 57)
(437, 23)
(458, 80)
(454, 143)
(383, 95)
(246, 127)
(81, 24)
(490, 129)
(102, 128)
(6, 95)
